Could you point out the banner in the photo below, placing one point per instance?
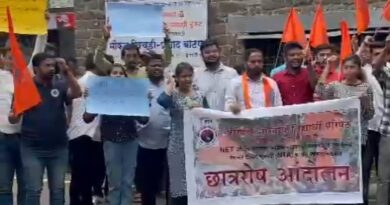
(28, 16)
(187, 22)
(118, 96)
(301, 154)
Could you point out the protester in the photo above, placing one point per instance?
(296, 84)
(177, 100)
(372, 149)
(213, 80)
(119, 135)
(43, 136)
(132, 57)
(10, 161)
(253, 89)
(321, 54)
(381, 66)
(85, 150)
(354, 84)
(153, 137)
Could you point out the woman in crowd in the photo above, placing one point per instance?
(178, 97)
(119, 135)
(353, 85)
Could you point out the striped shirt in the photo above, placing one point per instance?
(385, 122)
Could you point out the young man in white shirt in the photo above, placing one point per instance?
(213, 80)
(253, 89)
(10, 160)
(85, 149)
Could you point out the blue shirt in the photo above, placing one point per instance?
(278, 70)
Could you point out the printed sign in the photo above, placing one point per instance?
(305, 154)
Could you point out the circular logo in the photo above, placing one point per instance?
(55, 93)
(207, 135)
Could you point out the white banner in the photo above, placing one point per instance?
(301, 154)
(187, 23)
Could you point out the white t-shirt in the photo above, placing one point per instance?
(375, 122)
(6, 94)
(77, 126)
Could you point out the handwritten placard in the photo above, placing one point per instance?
(147, 19)
(187, 24)
(28, 16)
(118, 96)
(301, 154)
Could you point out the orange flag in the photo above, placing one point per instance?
(362, 15)
(386, 11)
(293, 29)
(319, 31)
(26, 94)
(346, 43)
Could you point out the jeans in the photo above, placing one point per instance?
(383, 191)
(34, 164)
(10, 163)
(121, 161)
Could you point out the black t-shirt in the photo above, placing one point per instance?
(44, 126)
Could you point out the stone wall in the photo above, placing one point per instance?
(90, 19)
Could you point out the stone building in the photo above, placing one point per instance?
(237, 24)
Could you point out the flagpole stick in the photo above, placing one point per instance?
(277, 54)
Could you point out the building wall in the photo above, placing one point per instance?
(90, 19)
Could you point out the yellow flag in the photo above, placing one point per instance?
(28, 16)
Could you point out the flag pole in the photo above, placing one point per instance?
(277, 54)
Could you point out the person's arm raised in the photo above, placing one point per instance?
(380, 61)
(74, 90)
(313, 78)
(102, 64)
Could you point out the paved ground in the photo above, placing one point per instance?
(45, 195)
(161, 201)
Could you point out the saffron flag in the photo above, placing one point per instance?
(362, 15)
(386, 11)
(26, 94)
(293, 29)
(346, 43)
(319, 34)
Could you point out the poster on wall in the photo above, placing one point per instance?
(187, 24)
(301, 154)
(28, 16)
